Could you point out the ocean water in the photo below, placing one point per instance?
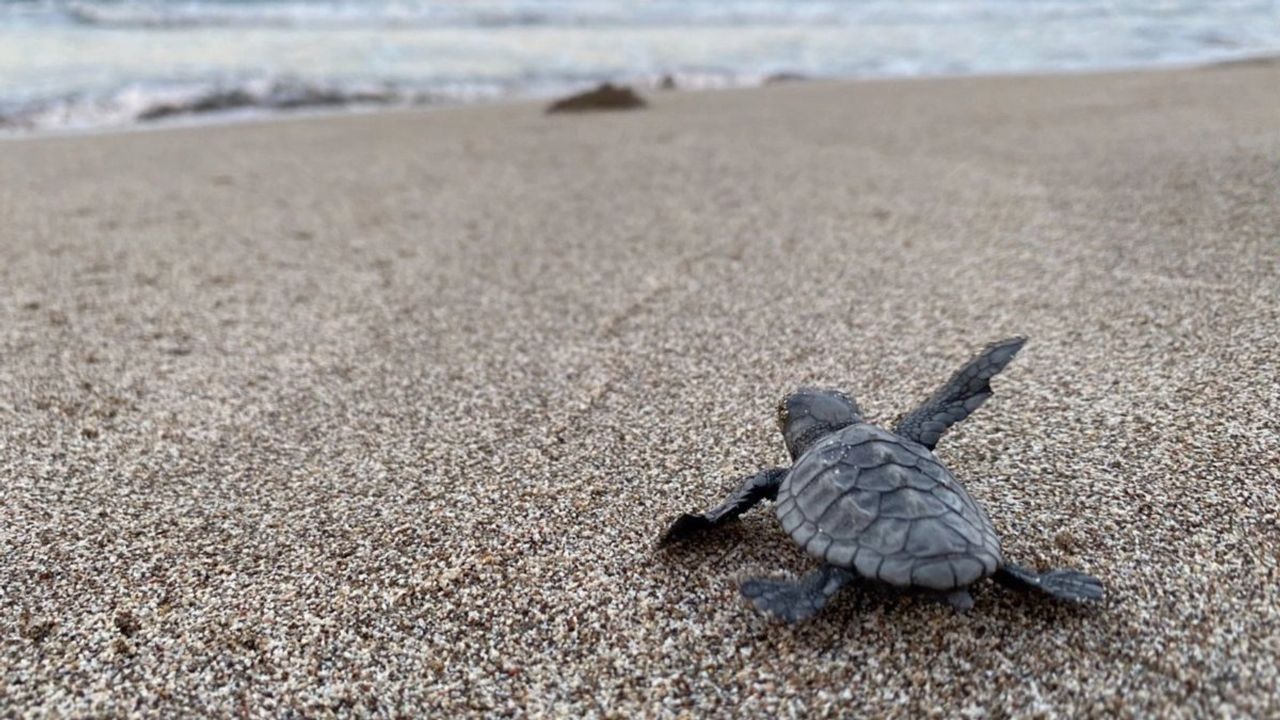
(94, 63)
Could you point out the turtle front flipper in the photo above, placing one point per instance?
(1060, 584)
(963, 393)
(753, 488)
(796, 600)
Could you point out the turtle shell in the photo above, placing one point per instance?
(883, 506)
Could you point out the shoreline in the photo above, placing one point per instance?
(266, 115)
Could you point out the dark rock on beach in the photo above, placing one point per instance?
(604, 97)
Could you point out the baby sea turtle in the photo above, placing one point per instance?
(879, 505)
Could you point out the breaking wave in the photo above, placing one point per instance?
(139, 103)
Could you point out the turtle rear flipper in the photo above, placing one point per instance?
(1061, 584)
(960, 396)
(753, 488)
(796, 600)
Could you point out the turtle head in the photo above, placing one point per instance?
(809, 414)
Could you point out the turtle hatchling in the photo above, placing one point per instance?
(879, 506)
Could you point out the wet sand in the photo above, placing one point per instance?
(383, 414)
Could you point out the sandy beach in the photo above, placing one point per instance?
(381, 415)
